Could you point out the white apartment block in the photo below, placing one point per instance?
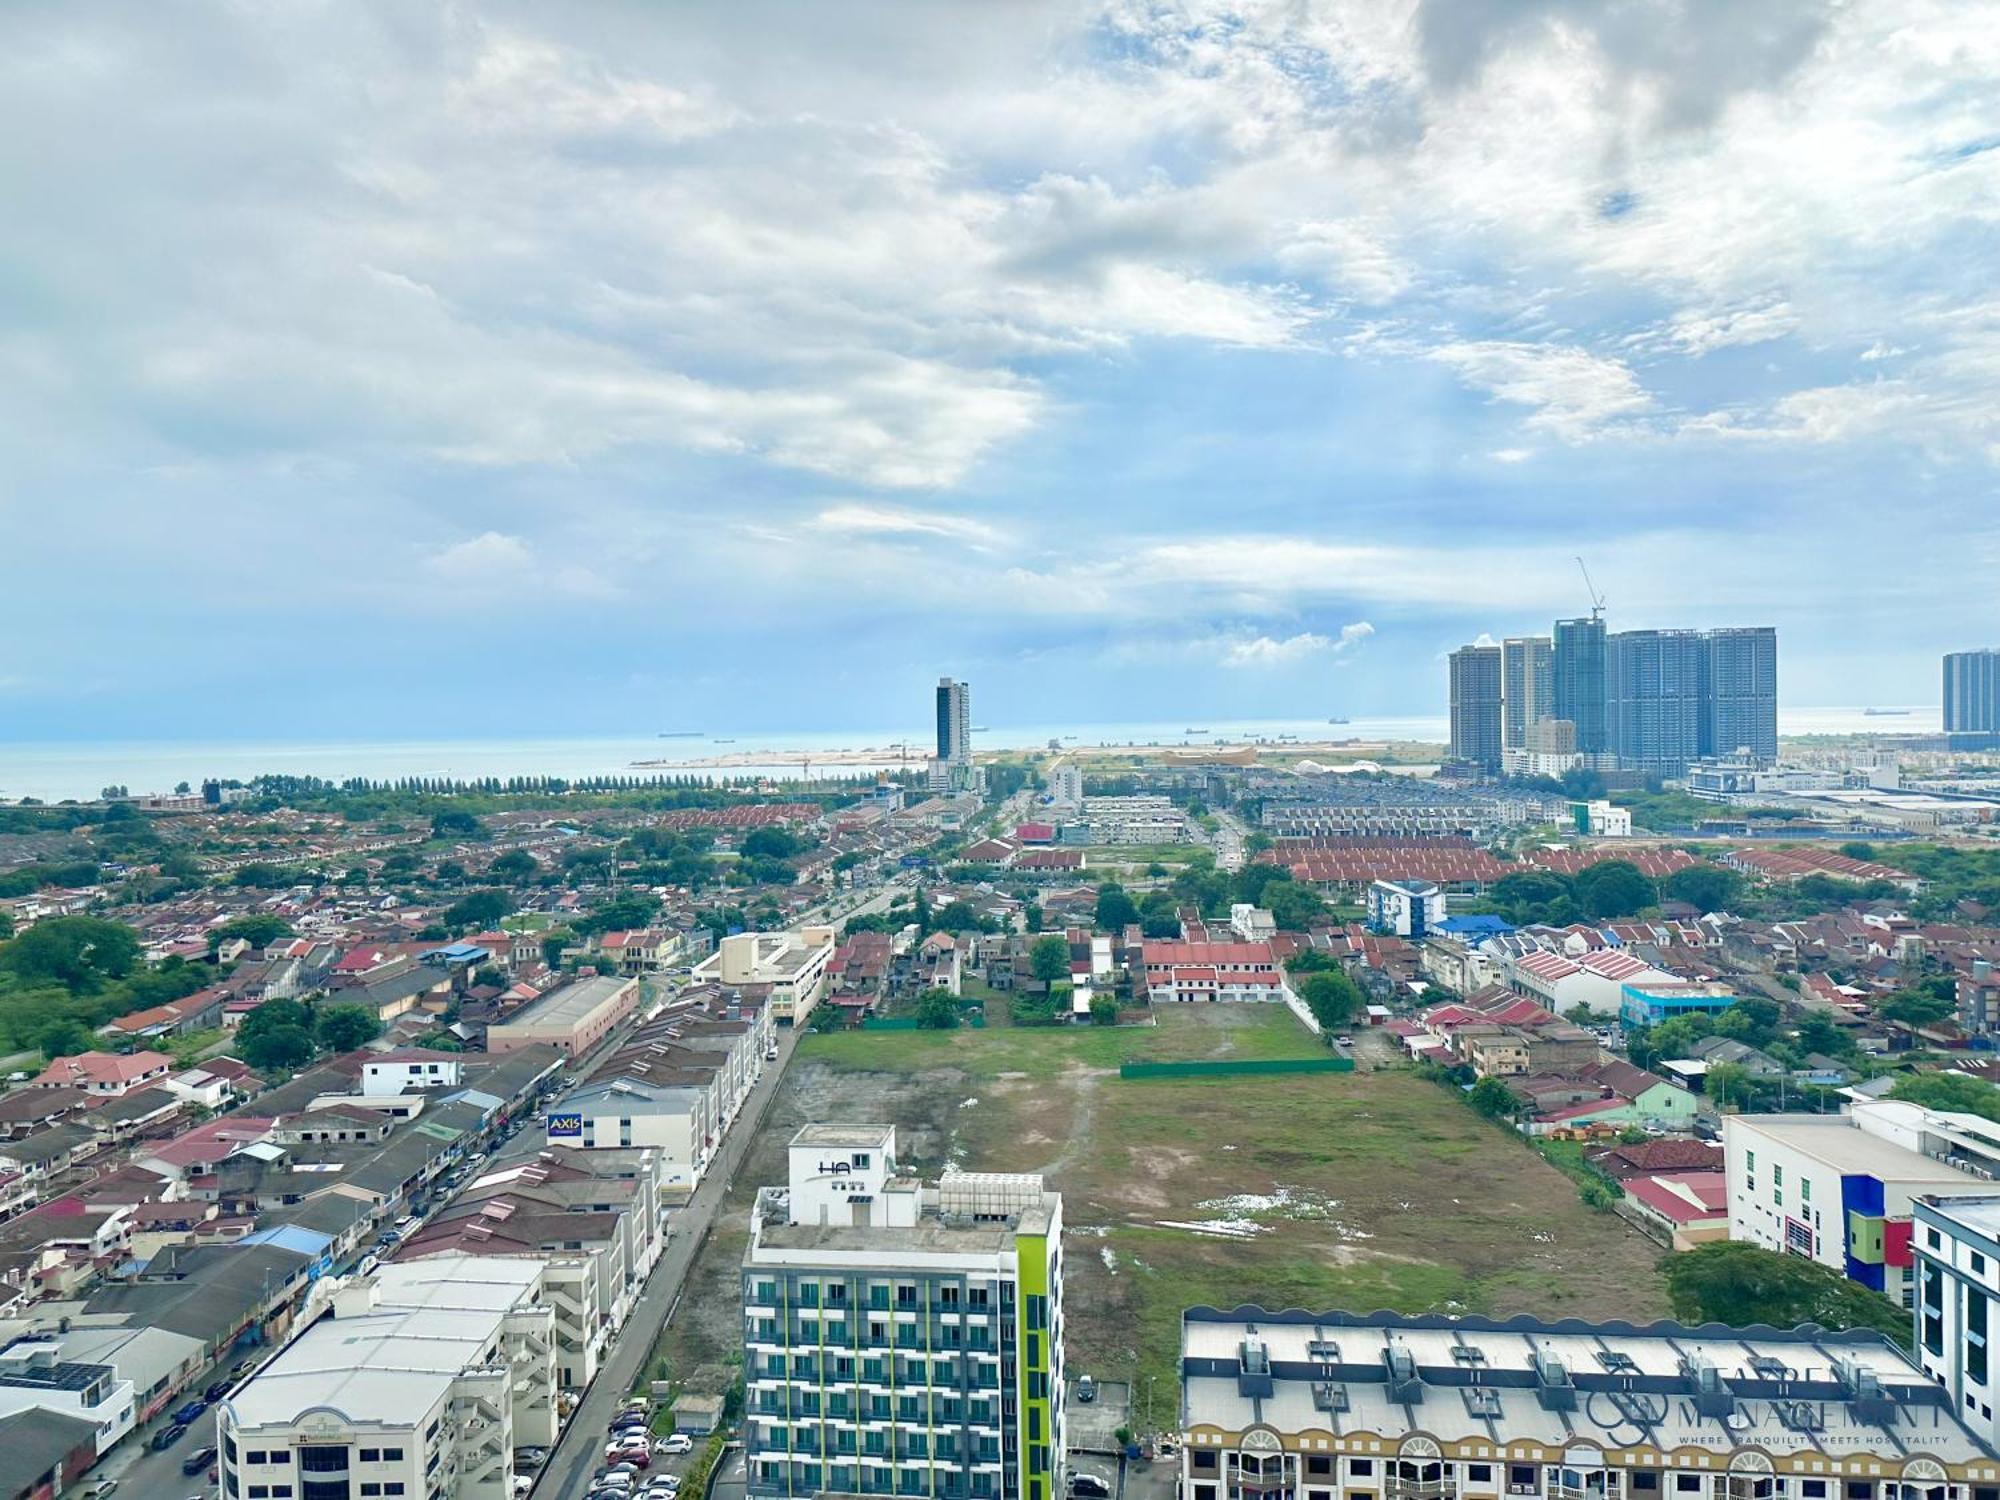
(1838, 1189)
(1957, 1248)
(419, 1382)
(899, 1338)
(792, 964)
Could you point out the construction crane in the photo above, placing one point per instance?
(1596, 599)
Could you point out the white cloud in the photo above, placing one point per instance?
(501, 568)
(1511, 455)
(881, 520)
(1263, 651)
(1575, 394)
(1698, 331)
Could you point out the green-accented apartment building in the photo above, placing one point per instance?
(902, 1338)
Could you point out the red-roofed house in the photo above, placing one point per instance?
(1692, 1207)
(105, 1074)
(1035, 833)
(1211, 971)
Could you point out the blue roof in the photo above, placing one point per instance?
(308, 1242)
(459, 952)
(1485, 925)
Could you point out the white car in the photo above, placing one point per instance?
(674, 1442)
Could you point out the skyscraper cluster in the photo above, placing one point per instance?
(1645, 701)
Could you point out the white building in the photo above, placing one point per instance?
(901, 1338)
(407, 1071)
(1066, 786)
(1603, 819)
(36, 1374)
(792, 964)
(1253, 924)
(1957, 1254)
(1838, 1189)
(424, 1376)
(1408, 908)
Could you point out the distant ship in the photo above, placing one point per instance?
(682, 734)
(1194, 731)
(725, 742)
(981, 729)
(1885, 713)
(1337, 719)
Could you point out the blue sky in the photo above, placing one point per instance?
(379, 369)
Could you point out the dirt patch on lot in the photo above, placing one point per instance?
(1360, 1191)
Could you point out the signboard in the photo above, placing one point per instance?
(566, 1126)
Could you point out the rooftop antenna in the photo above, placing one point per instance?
(1596, 599)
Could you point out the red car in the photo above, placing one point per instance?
(619, 1453)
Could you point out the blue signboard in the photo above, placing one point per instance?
(566, 1127)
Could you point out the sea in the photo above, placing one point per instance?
(54, 771)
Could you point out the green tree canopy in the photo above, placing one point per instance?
(1116, 910)
(1916, 1007)
(453, 824)
(1956, 1092)
(771, 843)
(477, 909)
(515, 865)
(1493, 1099)
(1612, 888)
(937, 1010)
(1706, 887)
(1529, 895)
(1741, 1284)
(258, 929)
(1294, 907)
(342, 1028)
(82, 954)
(1331, 997)
(276, 1036)
(1048, 959)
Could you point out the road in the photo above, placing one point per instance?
(1229, 836)
(580, 1453)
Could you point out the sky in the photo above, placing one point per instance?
(373, 368)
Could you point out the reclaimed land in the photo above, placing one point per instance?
(1360, 1191)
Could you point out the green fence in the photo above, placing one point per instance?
(1222, 1068)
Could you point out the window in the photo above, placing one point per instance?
(371, 1455)
(1687, 1484)
(260, 1492)
(1319, 1463)
(1361, 1468)
(1204, 1458)
(369, 1488)
(254, 1456)
(324, 1459)
(1521, 1476)
(393, 1487)
(1479, 1473)
(1805, 1190)
(1644, 1479)
(281, 1456)
(1813, 1489)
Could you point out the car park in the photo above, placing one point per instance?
(198, 1460)
(167, 1436)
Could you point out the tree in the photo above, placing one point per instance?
(515, 865)
(1612, 888)
(1103, 1009)
(258, 929)
(448, 872)
(1048, 959)
(1705, 887)
(1524, 896)
(276, 1036)
(477, 909)
(1818, 1032)
(1752, 1020)
(770, 843)
(1738, 1283)
(489, 977)
(342, 1028)
(1493, 1099)
(276, 1048)
(64, 1037)
(1031, 916)
(1957, 1092)
(1294, 907)
(937, 1010)
(453, 824)
(1331, 997)
(1860, 851)
(553, 942)
(82, 954)
(1911, 1007)
(1115, 909)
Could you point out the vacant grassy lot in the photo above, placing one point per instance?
(1355, 1191)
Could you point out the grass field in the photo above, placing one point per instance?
(1357, 1191)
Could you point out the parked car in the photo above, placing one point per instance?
(100, 1489)
(198, 1460)
(190, 1412)
(1086, 1388)
(1088, 1487)
(166, 1437)
(674, 1442)
(217, 1391)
